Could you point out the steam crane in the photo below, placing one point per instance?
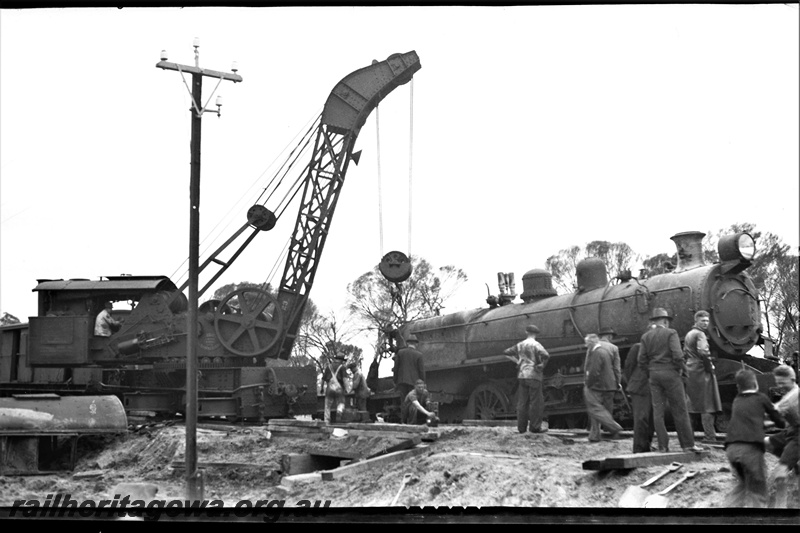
(245, 340)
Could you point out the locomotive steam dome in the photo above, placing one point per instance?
(537, 284)
(591, 274)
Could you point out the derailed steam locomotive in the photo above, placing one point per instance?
(470, 378)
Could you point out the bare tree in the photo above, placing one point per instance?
(323, 335)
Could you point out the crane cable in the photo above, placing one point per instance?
(410, 170)
(410, 160)
(380, 193)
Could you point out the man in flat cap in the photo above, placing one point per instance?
(606, 334)
(531, 358)
(661, 356)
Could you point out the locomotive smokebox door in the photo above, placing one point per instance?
(395, 267)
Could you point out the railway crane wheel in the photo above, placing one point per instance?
(248, 321)
(487, 402)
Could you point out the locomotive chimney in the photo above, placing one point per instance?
(537, 284)
(690, 250)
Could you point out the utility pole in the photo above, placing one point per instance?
(193, 492)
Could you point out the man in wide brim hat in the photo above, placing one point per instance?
(661, 355)
(660, 312)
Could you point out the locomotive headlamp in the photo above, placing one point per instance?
(737, 247)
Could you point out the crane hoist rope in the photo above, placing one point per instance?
(410, 170)
(410, 160)
(395, 266)
(380, 188)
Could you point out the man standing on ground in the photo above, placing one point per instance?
(408, 367)
(531, 358)
(701, 383)
(333, 378)
(606, 334)
(660, 355)
(638, 387)
(599, 387)
(359, 386)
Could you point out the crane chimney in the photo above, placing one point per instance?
(690, 250)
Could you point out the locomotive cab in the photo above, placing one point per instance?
(62, 335)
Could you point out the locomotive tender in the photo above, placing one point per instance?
(470, 377)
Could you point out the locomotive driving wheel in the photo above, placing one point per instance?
(248, 321)
(487, 402)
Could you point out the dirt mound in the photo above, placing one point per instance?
(465, 466)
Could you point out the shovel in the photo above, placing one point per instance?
(635, 495)
(406, 479)
(659, 500)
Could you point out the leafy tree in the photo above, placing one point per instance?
(563, 266)
(659, 264)
(380, 305)
(225, 290)
(617, 256)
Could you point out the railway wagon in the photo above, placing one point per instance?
(470, 378)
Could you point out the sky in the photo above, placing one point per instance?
(527, 130)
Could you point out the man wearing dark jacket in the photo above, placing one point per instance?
(408, 367)
(661, 357)
(638, 386)
(744, 443)
(599, 388)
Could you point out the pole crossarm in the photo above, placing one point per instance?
(166, 65)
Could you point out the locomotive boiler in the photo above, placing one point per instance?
(469, 376)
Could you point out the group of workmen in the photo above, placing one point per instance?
(409, 382)
(660, 376)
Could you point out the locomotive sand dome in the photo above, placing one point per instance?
(470, 377)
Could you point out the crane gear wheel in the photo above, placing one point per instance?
(395, 267)
(249, 311)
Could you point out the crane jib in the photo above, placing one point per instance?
(345, 112)
(356, 95)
